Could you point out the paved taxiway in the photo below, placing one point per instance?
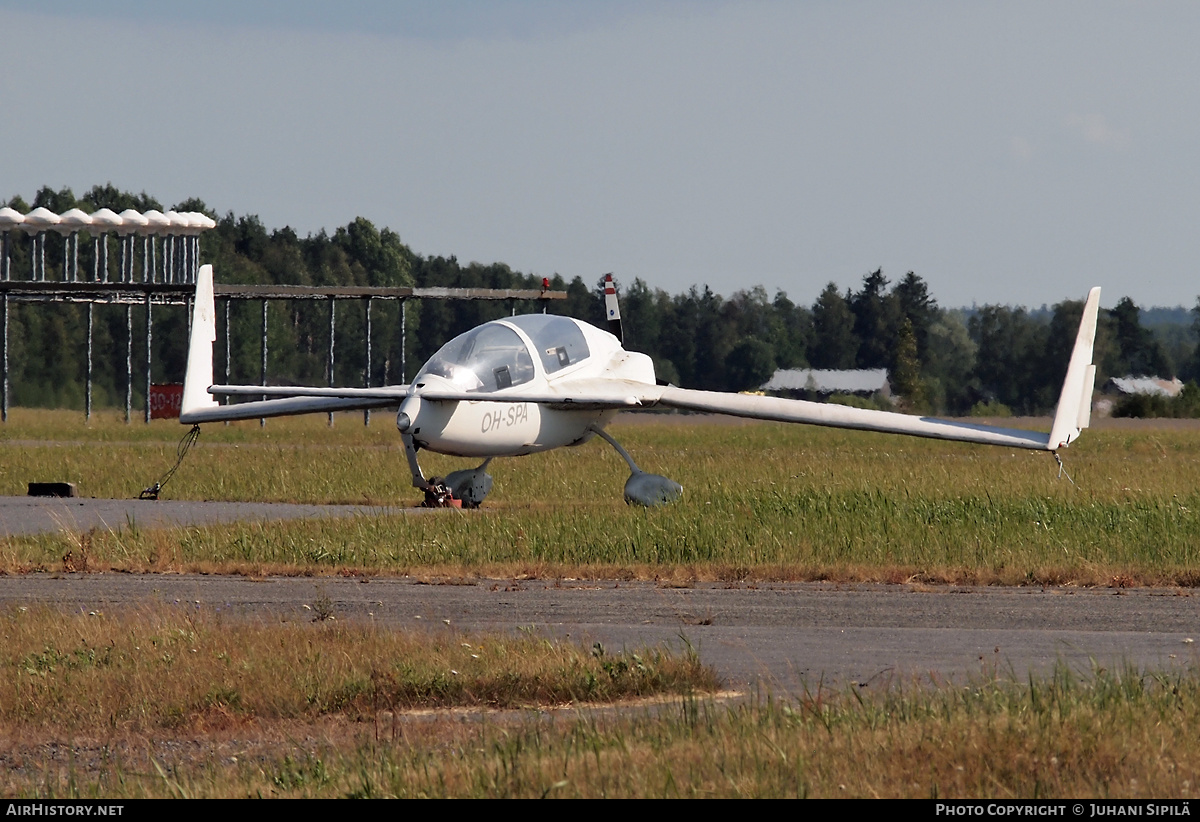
(37, 515)
(785, 637)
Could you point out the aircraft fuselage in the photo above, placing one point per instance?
(497, 429)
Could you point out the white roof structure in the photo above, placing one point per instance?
(73, 220)
(10, 218)
(129, 221)
(856, 381)
(156, 223)
(39, 220)
(106, 219)
(132, 222)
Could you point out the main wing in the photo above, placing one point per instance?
(1072, 415)
(1070, 418)
(588, 394)
(840, 416)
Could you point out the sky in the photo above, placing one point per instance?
(1007, 152)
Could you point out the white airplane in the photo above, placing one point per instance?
(521, 385)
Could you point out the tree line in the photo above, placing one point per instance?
(990, 358)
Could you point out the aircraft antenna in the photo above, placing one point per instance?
(612, 311)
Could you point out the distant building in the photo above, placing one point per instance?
(1154, 386)
(1118, 387)
(864, 382)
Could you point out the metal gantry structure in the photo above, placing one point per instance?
(170, 258)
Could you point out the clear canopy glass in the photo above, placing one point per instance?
(487, 358)
(558, 340)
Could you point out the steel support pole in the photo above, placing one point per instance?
(403, 342)
(4, 366)
(227, 372)
(332, 335)
(367, 371)
(4, 260)
(87, 411)
(262, 421)
(96, 259)
(227, 352)
(128, 364)
(149, 341)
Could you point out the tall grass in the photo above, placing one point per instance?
(177, 666)
(761, 501)
(1113, 735)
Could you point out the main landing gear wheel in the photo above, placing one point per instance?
(471, 485)
(642, 488)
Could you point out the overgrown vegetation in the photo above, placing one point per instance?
(180, 666)
(171, 701)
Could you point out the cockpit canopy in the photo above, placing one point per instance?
(558, 340)
(487, 358)
(493, 356)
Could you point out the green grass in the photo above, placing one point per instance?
(761, 501)
(134, 671)
(1113, 735)
(181, 704)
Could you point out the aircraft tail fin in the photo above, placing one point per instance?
(612, 311)
(1074, 412)
(199, 375)
(199, 406)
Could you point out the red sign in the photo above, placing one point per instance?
(165, 401)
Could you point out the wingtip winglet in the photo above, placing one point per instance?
(199, 374)
(1074, 403)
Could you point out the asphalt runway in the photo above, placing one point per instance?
(780, 638)
(22, 516)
